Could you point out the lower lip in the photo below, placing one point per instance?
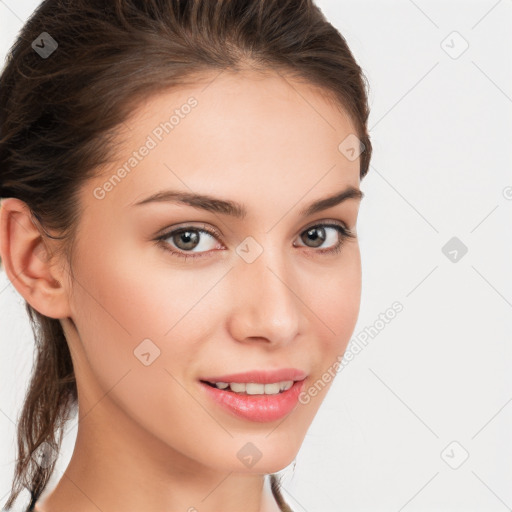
(260, 408)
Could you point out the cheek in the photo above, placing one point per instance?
(132, 315)
(335, 300)
(141, 298)
(125, 302)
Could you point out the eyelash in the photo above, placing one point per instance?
(344, 232)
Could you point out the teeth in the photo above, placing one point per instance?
(252, 388)
(239, 388)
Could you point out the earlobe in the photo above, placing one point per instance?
(26, 260)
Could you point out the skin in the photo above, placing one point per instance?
(148, 438)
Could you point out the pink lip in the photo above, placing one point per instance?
(258, 408)
(261, 376)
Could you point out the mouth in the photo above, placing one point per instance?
(256, 396)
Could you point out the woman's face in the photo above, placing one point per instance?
(261, 292)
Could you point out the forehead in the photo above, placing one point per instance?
(232, 130)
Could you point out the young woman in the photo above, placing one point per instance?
(180, 184)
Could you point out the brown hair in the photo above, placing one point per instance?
(59, 115)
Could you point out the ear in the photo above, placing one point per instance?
(26, 261)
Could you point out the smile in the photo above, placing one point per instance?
(253, 388)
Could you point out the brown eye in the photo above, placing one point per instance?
(183, 241)
(316, 235)
(186, 240)
(334, 234)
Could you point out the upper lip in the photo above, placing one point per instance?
(261, 376)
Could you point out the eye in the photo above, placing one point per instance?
(319, 233)
(185, 240)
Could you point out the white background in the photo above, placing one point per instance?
(439, 372)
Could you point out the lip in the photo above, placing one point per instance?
(256, 408)
(261, 376)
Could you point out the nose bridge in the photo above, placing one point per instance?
(264, 304)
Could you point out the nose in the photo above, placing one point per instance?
(265, 305)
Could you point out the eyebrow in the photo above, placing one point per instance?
(237, 210)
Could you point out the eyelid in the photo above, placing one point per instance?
(167, 231)
(323, 222)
